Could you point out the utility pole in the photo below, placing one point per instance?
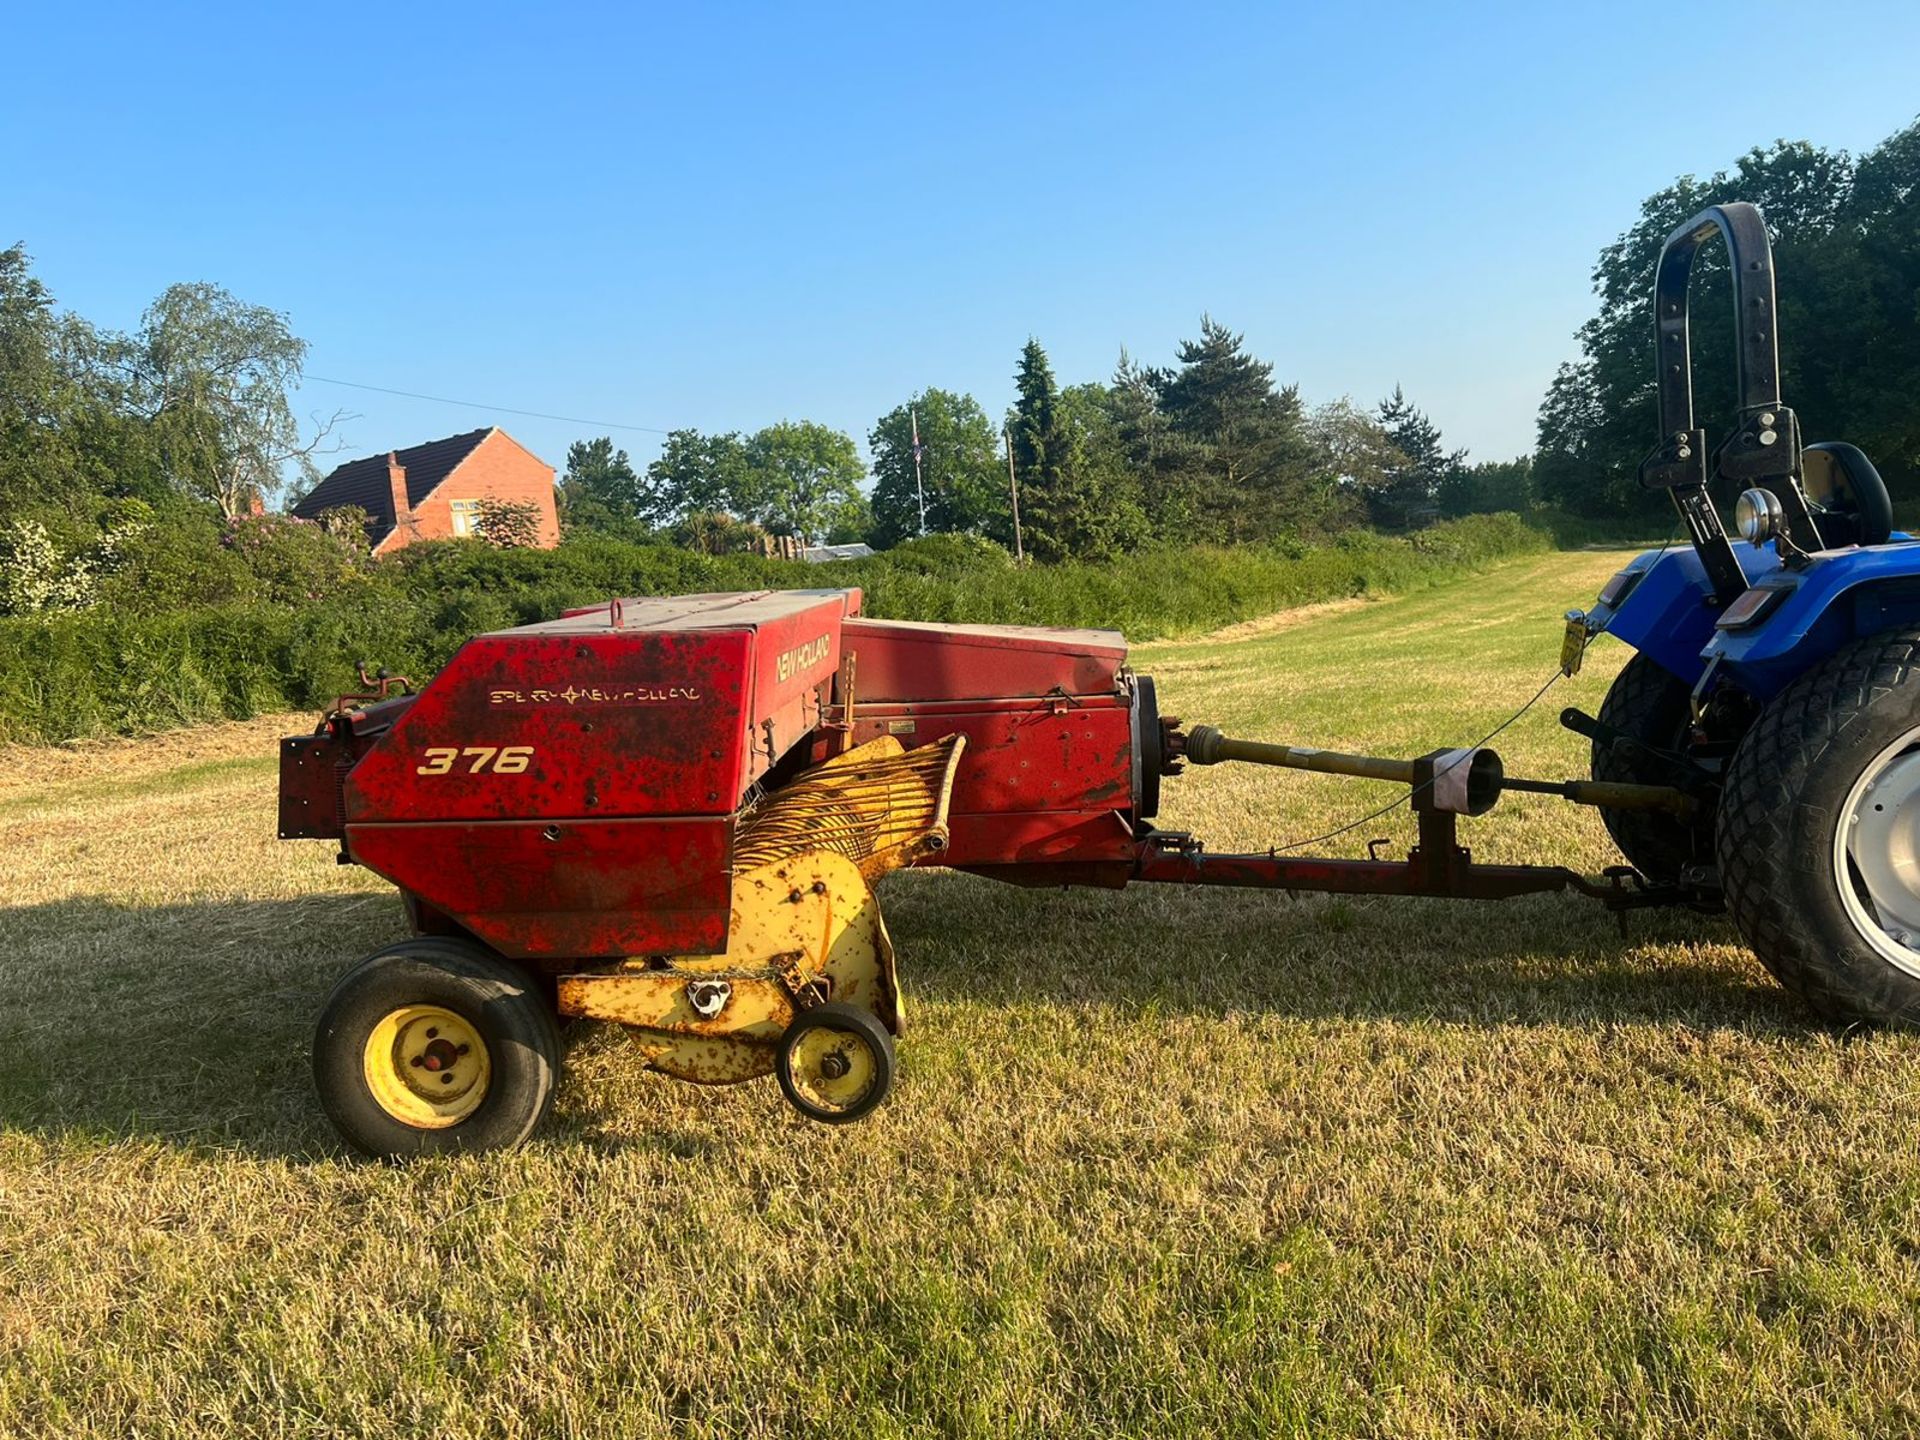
(1013, 486)
(919, 490)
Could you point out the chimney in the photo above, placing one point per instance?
(397, 481)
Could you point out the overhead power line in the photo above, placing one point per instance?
(499, 409)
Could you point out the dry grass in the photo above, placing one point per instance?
(1162, 1162)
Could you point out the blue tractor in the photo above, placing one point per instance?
(1777, 677)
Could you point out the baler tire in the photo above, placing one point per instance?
(1654, 706)
(848, 1019)
(1785, 794)
(517, 1026)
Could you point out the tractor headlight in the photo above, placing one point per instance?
(1756, 515)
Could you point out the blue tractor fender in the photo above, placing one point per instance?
(1661, 604)
(1803, 614)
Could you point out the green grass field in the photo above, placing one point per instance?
(1162, 1162)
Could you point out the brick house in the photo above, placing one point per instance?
(433, 491)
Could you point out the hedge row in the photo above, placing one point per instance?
(95, 672)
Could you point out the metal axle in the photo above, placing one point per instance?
(1481, 778)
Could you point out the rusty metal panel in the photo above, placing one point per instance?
(524, 725)
(906, 660)
(795, 657)
(586, 888)
(1026, 757)
(1038, 837)
(310, 787)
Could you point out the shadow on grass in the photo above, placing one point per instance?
(1539, 960)
(191, 1024)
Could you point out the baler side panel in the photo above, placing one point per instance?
(1047, 774)
(903, 660)
(602, 723)
(576, 889)
(1031, 777)
(794, 661)
(1039, 837)
(566, 793)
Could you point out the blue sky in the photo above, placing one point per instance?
(720, 216)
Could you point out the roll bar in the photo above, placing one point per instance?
(1764, 447)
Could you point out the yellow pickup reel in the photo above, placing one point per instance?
(806, 988)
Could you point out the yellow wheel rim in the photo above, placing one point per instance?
(833, 1069)
(427, 1067)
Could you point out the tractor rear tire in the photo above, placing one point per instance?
(1798, 818)
(1654, 706)
(435, 1046)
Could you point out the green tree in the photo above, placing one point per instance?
(1047, 512)
(1103, 511)
(1488, 488)
(68, 440)
(211, 375)
(804, 480)
(1847, 263)
(1409, 490)
(509, 524)
(961, 471)
(1250, 469)
(694, 474)
(1167, 469)
(715, 532)
(600, 489)
(1354, 453)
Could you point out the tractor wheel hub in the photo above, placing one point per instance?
(1877, 853)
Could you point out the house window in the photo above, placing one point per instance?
(466, 517)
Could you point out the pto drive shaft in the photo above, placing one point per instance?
(1466, 782)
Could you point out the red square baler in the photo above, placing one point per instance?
(670, 812)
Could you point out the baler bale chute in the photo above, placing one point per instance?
(669, 813)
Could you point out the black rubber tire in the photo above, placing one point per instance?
(837, 1015)
(1784, 793)
(493, 995)
(1653, 705)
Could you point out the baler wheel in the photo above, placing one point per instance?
(835, 1062)
(435, 1045)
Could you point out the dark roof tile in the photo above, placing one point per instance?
(364, 482)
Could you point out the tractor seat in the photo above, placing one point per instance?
(1848, 497)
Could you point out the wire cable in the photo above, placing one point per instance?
(502, 409)
(1407, 799)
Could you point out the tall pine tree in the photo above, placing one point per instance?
(1411, 486)
(1034, 428)
(1249, 471)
